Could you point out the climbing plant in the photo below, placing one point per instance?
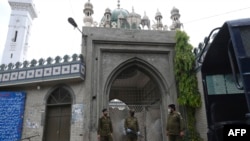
(186, 82)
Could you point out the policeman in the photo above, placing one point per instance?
(175, 126)
(105, 128)
(131, 126)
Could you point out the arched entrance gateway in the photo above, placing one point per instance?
(136, 68)
(135, 87)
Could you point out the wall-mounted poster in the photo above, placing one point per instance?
(77, 113)
(12, 106)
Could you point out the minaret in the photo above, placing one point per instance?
(145, 21)
(88, 11)
(107, 17)
(134, 20)
(158, 18)
(22, 14)
(175, 16)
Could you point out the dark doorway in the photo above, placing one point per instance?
(134, 88)
(58, 116)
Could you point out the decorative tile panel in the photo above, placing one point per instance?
(82, 69)
(75, 68)
(44, 71)
(6, 77)
(30, 73)
(39, 73)
(22, 75)
(14, 76)
(57, 70)
(66, 69)
(47, 71)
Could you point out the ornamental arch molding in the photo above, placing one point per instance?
(62, 86)
(143, 66)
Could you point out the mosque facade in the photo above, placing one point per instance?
(125, 63)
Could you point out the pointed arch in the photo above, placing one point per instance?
(144, 66)
(140, 86)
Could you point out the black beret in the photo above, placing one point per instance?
(104, 110)
(171, 106)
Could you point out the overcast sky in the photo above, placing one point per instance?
(52, 35)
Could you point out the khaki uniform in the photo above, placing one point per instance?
(105, 129)
(174, 126)
(131, 123)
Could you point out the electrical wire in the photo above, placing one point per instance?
(204, 18)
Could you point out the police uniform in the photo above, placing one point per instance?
(105, 129)
(174, 126)
(132, 124)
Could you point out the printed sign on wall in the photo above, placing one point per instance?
(77, 113)
(12, 112)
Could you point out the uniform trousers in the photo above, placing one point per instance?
(174, 138)
(131, 137)
(106, 138)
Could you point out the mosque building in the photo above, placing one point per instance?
(122, 18)
(125, 62)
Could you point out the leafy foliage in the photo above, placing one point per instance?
(184, 63)
(186, 81)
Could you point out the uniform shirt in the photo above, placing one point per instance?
(174, 123)
(131, 123)
(104, 126)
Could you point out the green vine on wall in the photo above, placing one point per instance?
(186, 82)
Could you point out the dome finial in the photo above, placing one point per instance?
(118, 4)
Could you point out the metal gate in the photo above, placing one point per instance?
(134, 88)
(149, 117)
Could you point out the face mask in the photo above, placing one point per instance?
(169, 110)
